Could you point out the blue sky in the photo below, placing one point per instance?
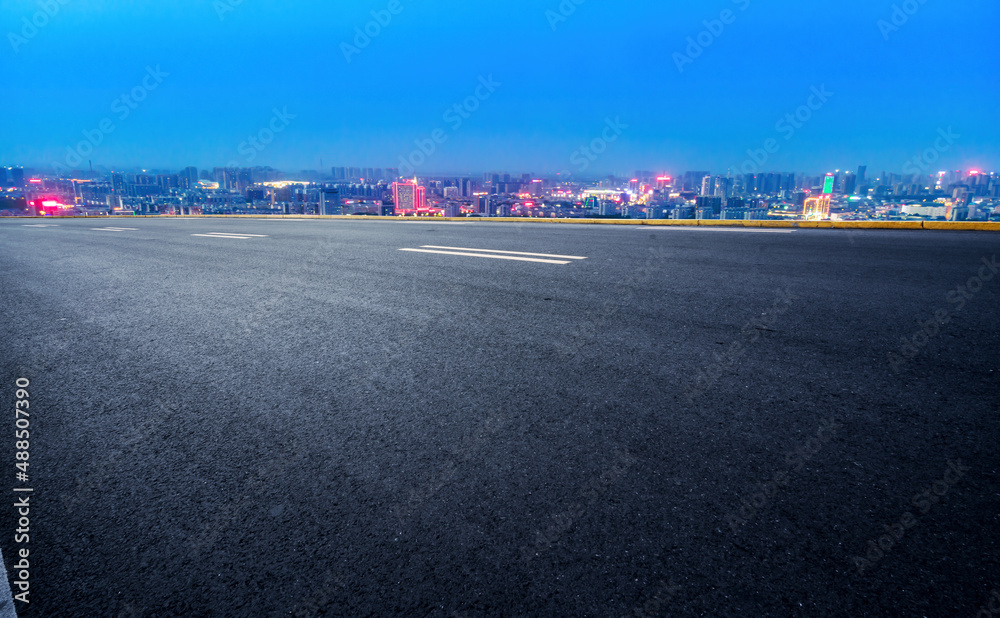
(562, 75)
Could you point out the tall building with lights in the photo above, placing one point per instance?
(408, 196)
(817, 208)
(17, 176)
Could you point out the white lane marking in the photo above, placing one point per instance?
(41, 225)
(751, 230)
(228, 235)
(544, 255)
(115, 229)
(484, 255)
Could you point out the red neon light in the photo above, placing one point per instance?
(35, 180)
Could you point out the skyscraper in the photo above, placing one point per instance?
(850, 184)
(3, 177)
(408, 196)
(862, 170)
(189, 177)
(329, 201)
(17, 176)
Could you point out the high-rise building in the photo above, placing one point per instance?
(711, 206)
(465, 187)
(408, 196)
(692, 180)
(862, 170)
(338, 173)
(17, 176)
(391, 173)
(850, 184)
(723, 187)
(329, 201)
(3, 177)
(706, 186)
(817, 207)
(189, 177)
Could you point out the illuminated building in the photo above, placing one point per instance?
(329, 202)
(17, 176)
(817, 208)
(409, 196)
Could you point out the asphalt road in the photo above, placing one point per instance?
(310, 421)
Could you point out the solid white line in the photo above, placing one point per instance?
(222, 235)
(483, 255)
(115, 229)
(41, 225)
(238, 234)
(547, 255)
(219, 236)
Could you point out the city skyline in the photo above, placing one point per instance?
(546, 87)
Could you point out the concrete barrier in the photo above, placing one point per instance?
(976, 226)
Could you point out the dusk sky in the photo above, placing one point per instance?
(224, 66)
